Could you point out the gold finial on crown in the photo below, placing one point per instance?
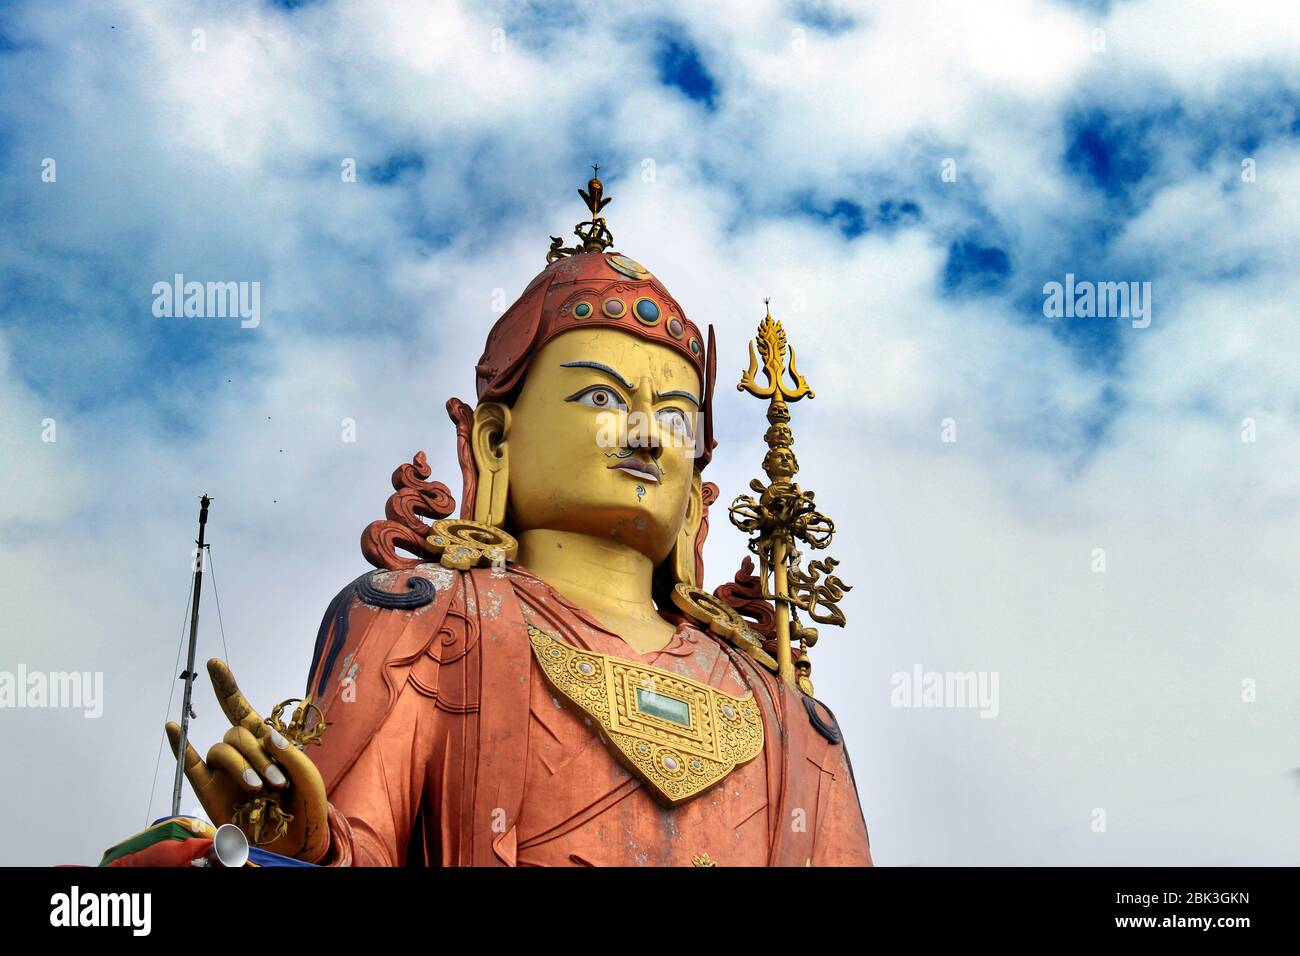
(593, 233)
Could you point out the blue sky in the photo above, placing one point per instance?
(792, 150)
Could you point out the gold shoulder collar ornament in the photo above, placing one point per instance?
(455, 543)
(677, 735)
(723, 620)
(462, 544)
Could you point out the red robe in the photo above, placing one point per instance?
(447, 746)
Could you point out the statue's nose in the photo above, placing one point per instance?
(648, 438)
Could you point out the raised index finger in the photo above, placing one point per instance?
(233, 703)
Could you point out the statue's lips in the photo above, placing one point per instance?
(644, 470)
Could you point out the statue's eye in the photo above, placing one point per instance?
(598, 396)
(677, 421)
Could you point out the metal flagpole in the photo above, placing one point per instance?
(188, 674)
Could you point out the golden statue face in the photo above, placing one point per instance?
(601, 440)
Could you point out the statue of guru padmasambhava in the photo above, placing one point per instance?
(538, 683)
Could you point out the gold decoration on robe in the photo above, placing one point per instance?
(679, 736)
(462, 544)
(723, 620)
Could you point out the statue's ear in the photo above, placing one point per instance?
(683, 556)
(492, 456)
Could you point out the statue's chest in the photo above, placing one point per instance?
(638, 764)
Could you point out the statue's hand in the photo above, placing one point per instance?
(252, 760)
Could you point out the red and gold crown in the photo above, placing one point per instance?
(587, 286)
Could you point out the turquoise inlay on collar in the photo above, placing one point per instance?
(667, 708)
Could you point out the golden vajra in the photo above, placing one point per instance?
(262, 818)
(784, 513)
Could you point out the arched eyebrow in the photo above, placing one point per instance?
(601, 368)
(678, 393)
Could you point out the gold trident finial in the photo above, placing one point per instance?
(772, 347)
(785, 515)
